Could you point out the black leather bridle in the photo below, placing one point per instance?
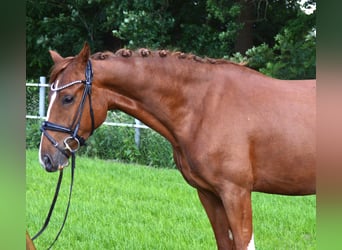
(73, 132)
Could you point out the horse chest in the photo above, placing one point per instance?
(188, 172)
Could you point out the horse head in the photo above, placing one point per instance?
(71, 113)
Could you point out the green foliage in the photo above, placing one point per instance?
(256, 57)
(259, 56)
(293, 55)
(212, 33)
(63, 26)
(109, 142)
(155, 150)
(32, 100)
(144, 29)
(206, 28)
(33, 133)
(223, 10)
(294, 60)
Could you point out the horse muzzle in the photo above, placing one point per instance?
(53, 162)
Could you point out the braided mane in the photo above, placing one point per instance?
(142, 52)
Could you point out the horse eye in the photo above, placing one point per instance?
(68, 99)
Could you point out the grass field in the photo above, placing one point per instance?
(120, 206)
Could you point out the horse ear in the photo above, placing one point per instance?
(55, 56)
(85, 53)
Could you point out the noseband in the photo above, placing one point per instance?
(73, 130)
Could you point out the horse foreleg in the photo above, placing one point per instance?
(238, 206)
(218, 219)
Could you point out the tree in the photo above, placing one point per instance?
(293, 54)
(63, 26)
(211, 28)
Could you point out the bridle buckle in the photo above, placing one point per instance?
(68, 140)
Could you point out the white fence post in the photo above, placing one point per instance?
(137, 133)
(42, 81)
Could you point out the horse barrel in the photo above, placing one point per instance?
(29, 242)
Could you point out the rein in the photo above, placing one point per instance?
(73, 132)
(47, 220)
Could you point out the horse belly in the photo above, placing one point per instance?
(285, 169)
(283, 145)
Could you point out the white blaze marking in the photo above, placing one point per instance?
(251, 244)
(52, 100)
(230, 234)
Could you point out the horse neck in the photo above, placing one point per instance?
(154, 90)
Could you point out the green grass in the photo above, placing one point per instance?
(117, 206)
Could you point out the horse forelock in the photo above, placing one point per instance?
(143, 52)
(59, 67)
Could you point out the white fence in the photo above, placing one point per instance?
(42, 115)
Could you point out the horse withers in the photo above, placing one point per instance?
(233, 130)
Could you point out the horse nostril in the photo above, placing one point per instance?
(47, 162)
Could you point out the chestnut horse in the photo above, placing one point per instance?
(233, 130)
